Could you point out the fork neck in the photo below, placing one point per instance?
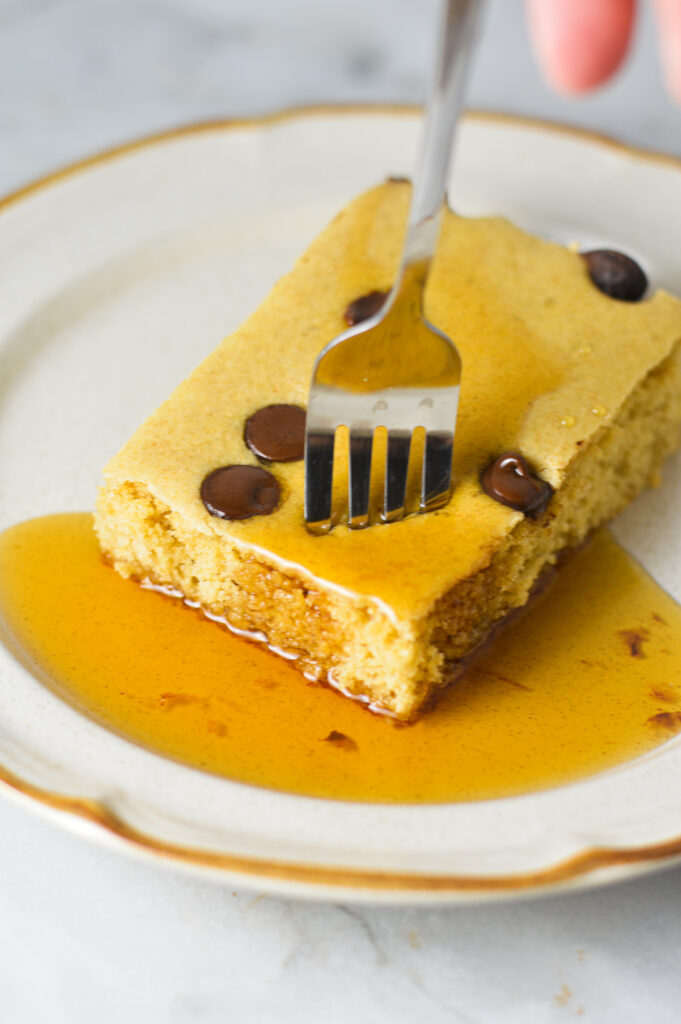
(458, 23)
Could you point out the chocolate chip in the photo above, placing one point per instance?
(239, 492)
(615, 274)
(398, 179)
(510, 481)
(364, 307)
(276, 433)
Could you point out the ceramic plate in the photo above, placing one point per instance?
(117, 277)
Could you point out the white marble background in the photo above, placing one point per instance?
(80, 75)
(87, 934)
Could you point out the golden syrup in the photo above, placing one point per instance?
(589, 678)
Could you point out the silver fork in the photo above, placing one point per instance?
(395, 370)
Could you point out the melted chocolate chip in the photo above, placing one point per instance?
(339, 739)
(364, 307)
(276, 433)
(509, 481)
(615, 274)
(634, 640)
(398, 179)
(239, 492)
(667, 720)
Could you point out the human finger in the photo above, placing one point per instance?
(581, 43)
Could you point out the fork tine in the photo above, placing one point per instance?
(396, 466)
(319, 445)
(437, 470)
(359, 480)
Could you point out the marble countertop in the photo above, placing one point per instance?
(90, 934)
(77, 76)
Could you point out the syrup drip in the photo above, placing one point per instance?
(589, 678)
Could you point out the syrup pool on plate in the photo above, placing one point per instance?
(589, 678)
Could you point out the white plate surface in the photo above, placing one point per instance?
(116, 278)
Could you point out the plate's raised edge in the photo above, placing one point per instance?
(566, 871)
(586, 862)
(317, 110)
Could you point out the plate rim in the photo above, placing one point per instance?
(586, 864)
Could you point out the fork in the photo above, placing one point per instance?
(395, 370)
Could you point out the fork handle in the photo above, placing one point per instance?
(459, 20)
